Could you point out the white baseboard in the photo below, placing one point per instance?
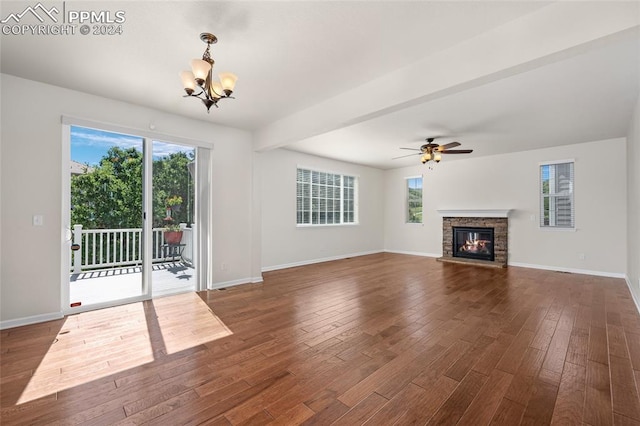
(570, 270)
(18, 322)
(256, 280)
(225, 284)
(414, 253)
(636, 299)
(312, 261)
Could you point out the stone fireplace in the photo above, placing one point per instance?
(475, 236)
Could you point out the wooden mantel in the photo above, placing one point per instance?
(474, 213)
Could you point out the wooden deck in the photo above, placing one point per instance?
(382, 339)
(106, 285)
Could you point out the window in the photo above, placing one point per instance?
(414, 200)
(326, 198)
(556, 195)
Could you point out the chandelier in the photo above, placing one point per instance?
(201, 75)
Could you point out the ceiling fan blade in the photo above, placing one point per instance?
(409, 155)
(412, 149)
(458, 151)
(448, 145)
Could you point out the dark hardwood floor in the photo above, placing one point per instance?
(380, 340)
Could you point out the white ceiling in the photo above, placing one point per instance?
(291, 55)
(585, 98)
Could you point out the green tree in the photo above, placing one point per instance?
(415, 205)
(171, 178)
(109, 196)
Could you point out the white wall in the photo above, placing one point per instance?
(510, 181)
(633, 205)
(254, 200)
(31, 184)
(283, 243)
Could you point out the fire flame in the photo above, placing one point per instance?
(475, 246)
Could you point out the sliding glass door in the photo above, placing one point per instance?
(173, 238)
(130, 227)
(106, 217)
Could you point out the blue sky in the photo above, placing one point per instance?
(545, 172)
(88, 146)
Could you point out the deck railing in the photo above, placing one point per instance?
(110, 248)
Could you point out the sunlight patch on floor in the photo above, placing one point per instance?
(97, 344)
(189, 325)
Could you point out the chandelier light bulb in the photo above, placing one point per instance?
(228, 81)
(188, 81)
(215, 90)
(200, 70)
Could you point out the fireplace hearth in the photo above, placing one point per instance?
(473, 243)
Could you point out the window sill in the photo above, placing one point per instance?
(554, 229)
(326, 225)
(414, 223)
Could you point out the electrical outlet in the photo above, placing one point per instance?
(581, 256)
(532, 218)
(223, 266)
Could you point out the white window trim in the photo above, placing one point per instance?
(356, 204)
(547, 163)
(574, 228)
(406, 201)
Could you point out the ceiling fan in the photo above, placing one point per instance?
(432, 151)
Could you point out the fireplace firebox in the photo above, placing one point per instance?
(473, 243)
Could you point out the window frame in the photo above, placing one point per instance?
(407, 201)
(341, 189)
(556, 196)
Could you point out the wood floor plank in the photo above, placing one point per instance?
(617, 342)
(362, 411)
(525, 377)
(440, 365)
(455, 406)
(462, 366)
(578, 346)
(540, 407)
(487, 363)
(570, 402)
(633, 344)
(623, 388)
(485, 405)
(296, 415)
(512, 358)
(508, 413)
(414, 405)
(597, 405)
(556, 354)
(598, 348)
(619, 420)
(366, 340)
(545, 333)
(327, 414)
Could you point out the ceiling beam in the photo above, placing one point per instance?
(550, 34)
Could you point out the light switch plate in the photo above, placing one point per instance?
(38, 220)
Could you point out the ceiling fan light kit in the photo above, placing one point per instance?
(433, 152)
(201, 78)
